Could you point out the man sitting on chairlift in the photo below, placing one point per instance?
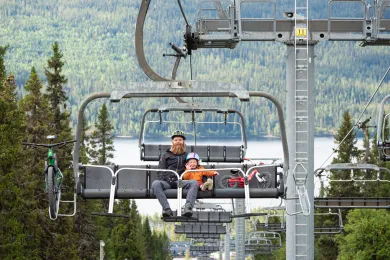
(174, 159)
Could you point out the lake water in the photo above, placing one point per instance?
(127, 152)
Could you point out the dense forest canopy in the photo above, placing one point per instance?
(97, 40)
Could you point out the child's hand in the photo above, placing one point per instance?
(188, 167)
(216, 173)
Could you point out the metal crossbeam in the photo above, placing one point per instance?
(205, 236)
(349, 203)
(320, 30)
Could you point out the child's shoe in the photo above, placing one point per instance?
(207, 185)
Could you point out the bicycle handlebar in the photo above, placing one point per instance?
(49, 145)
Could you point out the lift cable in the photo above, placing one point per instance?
(360, 116)
(182, 12)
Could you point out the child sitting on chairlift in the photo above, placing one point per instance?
(192, 163)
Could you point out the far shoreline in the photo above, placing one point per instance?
(251, 138)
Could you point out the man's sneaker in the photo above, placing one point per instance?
(187, 210)
(207, 185)
(167, 213)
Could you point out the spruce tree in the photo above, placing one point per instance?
(85, 225)
(102, 139)
(147, 236)
(55, 84)
(60, 124)
(165, 245)
(3, 72)
(126, 241)
(14, 235)
(38, 113)
(37, 110)
(58, 239)
(346, 153)
(84, 139)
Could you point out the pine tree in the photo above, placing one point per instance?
(165, 245)
(3, 72)
(325, 246)
(346, 153)
(147, 235)
(37, 110)
(85, 225)
(126, 241)
(58, 239)
(55, 92)
(14, 238)
(102, 139)
(84, 139)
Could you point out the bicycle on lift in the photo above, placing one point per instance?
(53, 175)
(235, 181)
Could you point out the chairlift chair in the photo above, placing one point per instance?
(134, 181)
(352, 202)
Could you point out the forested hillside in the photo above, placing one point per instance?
(97, 40)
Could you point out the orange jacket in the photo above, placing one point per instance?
(198, 175)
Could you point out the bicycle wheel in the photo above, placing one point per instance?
(224, 182)
(263, 180)
(51, 184)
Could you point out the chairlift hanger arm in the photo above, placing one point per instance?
(379, 122)
(282, 125)
(139, 43)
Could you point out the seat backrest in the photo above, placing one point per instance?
(214, 153)
(97, 177)
(131, 178)
(153, 152)
(153, 175)
(208, 153)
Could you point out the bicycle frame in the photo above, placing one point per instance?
(53, 179)
(51, 162)
(240, 180)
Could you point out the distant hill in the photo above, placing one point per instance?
(97, 40)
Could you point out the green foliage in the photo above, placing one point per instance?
(11, 124)
(36, 107)
(84, 139)
(14, 236)
(346, 153)
(86, 229)
(125, 239)
(367, 235)
(147, 236)
(97, 38)
(325, 247)
(56, 81)
(102, 139)
(3, 72)
(160, 246)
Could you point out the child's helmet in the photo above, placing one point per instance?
(192, 156)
